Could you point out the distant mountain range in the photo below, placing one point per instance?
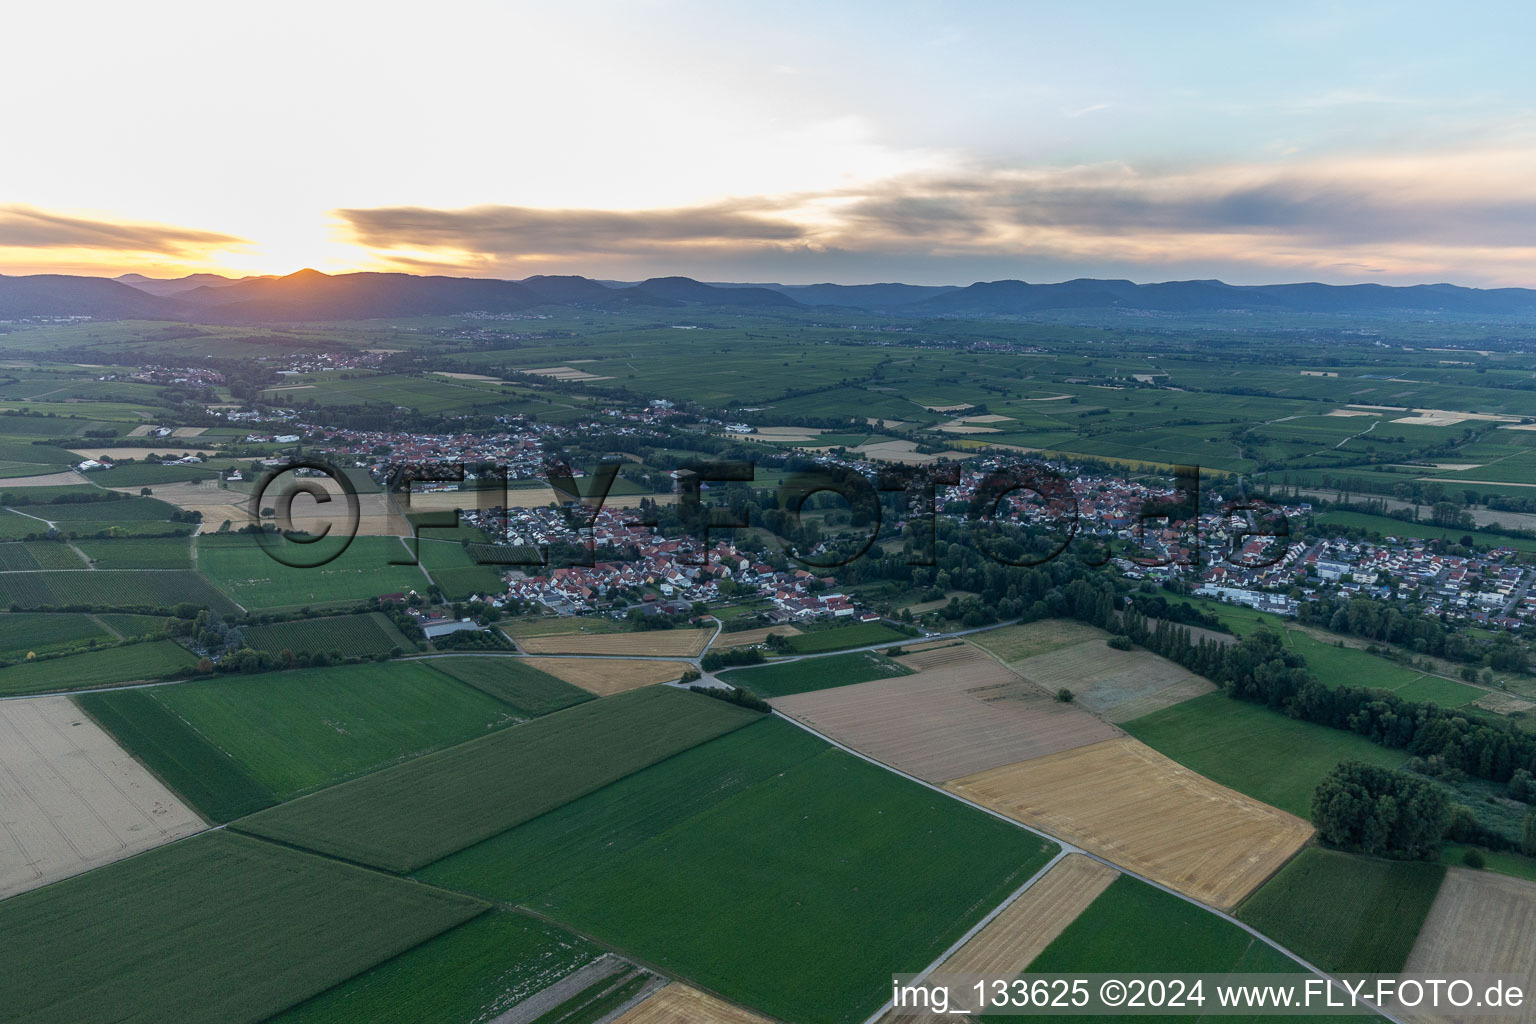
(312, 296)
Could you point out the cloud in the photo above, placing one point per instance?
(1466, 216)
(26, 227)
(518, 231)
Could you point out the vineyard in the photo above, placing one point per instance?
(351, 636)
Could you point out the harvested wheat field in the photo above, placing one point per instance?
(1015, 643)
(748, 637)
(945, 655)
(1012, 939)
(607, 676)
(63, 479)
(681, 1004)
(1126, 802)
(1481, 923)
(1009, 943)
(947, 721)
(655, 643)
(71, 798)
(1120, 685)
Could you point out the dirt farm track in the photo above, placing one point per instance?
(71, 799)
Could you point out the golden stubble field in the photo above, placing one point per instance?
(1481, 923)
(682, 1004)
(946, 721)
(607, 676)
(1126, 802)
(749, 637)
(71, 798)
(1010, 942)
(1012, 939)
(655, 643)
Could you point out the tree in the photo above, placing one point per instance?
(1528, 837)
(1065, 695)
(1374, 810)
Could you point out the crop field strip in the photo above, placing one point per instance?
(137, 662)
(21, 632)
(1134, 928)
(200, 773)
(751, 637)
(819, 673)
(109, 587)
(864, 869)
(28, 556)
(1012, 644)
(516, 682)
(682, 1004)
(838, 638)
(608, 676)
(1012, 940)
(407, 816)
(349, 635)
(1113, 684)
(1480, 923)
(216, 929)
(301, 730)
(1124, 801)
(138, 553)
(482, 969)
(1344, 913)
(947, 722)
(654, 643)
(1255, 750)
(242, 568)
(72, 798)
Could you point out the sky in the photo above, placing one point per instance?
(931, 143)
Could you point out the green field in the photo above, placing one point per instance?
(1133, 927)
(862, 872)
(513, 681)
(204, 776)
(133, 625)
(125, 510)
(862, 634)
(1254, 750)
(138, 553)
(1348, 666)
(408, 816)
(308, 728)
(352, 636)
(122, 588)
(815, 673)
(21, 632)
(242, 568)
(217, 929)
(38, 554)
(129, 663)
(472, 973)
(466, 581)
(1345, 913)
(1512, 864)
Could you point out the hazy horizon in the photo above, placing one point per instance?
(918, 144)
